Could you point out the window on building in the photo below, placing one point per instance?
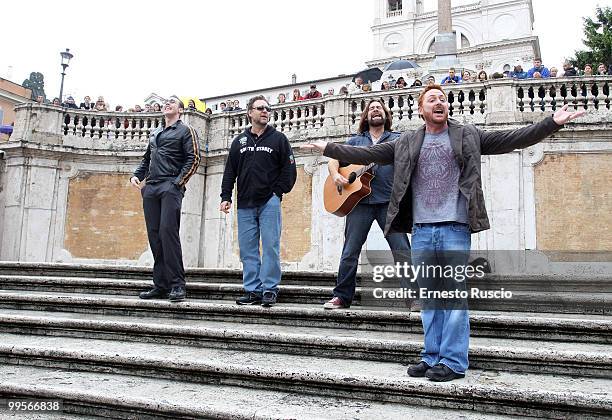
(1, 116)
(395, 5)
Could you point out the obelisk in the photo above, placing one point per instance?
(445, 45)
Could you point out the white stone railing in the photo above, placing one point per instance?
(291, 116)
(547, 95)
(110, 125)
(91, 129)
(468, 100)
(394, 13)
(331, 117)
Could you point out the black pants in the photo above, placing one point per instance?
(162, 210)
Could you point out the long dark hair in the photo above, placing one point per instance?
(364, 125)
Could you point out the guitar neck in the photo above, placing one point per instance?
(365, 169)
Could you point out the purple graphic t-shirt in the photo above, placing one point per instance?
(435, 183)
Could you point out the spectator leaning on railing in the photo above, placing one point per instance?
(601, 70)
(554, 72)
(451, 78)
(86, 104)
(401, 83)
(356, 86)
(296, 95)
(482, 76)
(70, 103)
(100, 104)
(588, 70)
(282, 98)
(313, 93)
(568, 70)
(538, 67)
(518, 72)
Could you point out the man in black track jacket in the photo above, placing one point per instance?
(261, 162)
(172, 157)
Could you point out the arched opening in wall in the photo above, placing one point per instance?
(431, 46)
(465, 43)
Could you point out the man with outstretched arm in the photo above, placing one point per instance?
(437, 195)
(261, 162)
(172, 157)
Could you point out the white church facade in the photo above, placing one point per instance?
(492, 35)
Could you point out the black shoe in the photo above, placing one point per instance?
(269, 299)
(442, 373)
(249, 299)
(418, 370)
(177, 294)
(154, 293)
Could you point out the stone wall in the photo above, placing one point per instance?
(104, 218)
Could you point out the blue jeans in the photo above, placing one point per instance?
(446, 329)
(260, 274)
(356, 229)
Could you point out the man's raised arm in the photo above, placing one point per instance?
(382, 153)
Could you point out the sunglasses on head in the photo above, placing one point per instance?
(261, 108)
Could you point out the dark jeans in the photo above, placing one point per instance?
(356, 229)
(162, 210)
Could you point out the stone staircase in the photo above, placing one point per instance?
(80, 334)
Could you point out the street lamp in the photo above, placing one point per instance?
(66, 56)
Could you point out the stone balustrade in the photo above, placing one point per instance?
(331, 117)
(547, 95)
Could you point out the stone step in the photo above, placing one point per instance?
(485, 353)
(488, 391)
(515, 282)
(538, 326)
(546, 301)
(145, 398)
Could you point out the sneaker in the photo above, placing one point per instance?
(177, 294)
(269, 299)
(249, 299)
(418, 370)
(335, 303)
(442, 373)
(154, 293)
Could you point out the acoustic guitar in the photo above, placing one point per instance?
(341, 200)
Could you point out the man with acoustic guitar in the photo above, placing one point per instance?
(437, 195)
(374, 128)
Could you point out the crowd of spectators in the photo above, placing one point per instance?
(538, 71)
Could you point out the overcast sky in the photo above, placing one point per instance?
(125, 50)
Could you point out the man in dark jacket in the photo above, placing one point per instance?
(261, 162)
(172, 157)
(437, 194)
(374, 128)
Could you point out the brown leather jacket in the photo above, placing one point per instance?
(468, 143)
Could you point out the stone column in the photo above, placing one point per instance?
(445, 45)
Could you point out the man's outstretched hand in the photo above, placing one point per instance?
(563, 116)
(317, 145)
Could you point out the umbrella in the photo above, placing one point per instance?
(200, 106)
(6, 129)
(401, 65)
(369, 75)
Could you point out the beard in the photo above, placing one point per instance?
(376, 122)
